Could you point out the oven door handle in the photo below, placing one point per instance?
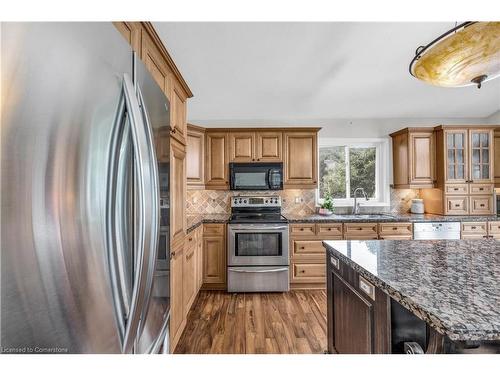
(240, 270)
(248, 228)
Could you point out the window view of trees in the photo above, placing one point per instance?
(342, 169)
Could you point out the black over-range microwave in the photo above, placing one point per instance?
(256, 176)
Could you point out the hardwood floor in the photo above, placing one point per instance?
(285, 323)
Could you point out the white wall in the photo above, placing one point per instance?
(356, 128)
(494, 118)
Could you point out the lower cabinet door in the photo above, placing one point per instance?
(214, 260)
(177, 307)
(189, 278)
(353, 326)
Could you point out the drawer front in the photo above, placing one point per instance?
(308, 248)
(303, 229)
(456, 189)
(474, 228)
(456, 205)
(366, 287)
(361, 230)
(213, 229)
(308, 272)
(494, 227)
(324, 230)
(395, 237)
(395, 229)
(481, 205)
(481, 189)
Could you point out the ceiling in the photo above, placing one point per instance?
(305, 71)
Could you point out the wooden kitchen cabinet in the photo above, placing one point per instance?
(189, 274)
(177, 192)
(255, 146)
(131, 31)
(195, 157)
(496, 162)
(242, 147)
(269, 145)
(395, 231)
(162, 144)
(413, 151)
(214, 256)
(177, 317)
(360, 231)
(178, 107)
(464, 171)
(155, 63)
(216, 160)
(301, 159)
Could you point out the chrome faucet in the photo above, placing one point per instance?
(355, 208)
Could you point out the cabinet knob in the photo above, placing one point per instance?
(173, 131)
(302, 229)
(329, 229)
(302, 271)
(302, 248)
(258, 159)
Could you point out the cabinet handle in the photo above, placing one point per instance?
(329, 229)
(190, 239)
(258, 159)
(302, 229)
(473, 227)
(481, 189)
(173, 131)
(367, 287)
(456, 189)
(302, 271)
(302, 248)
(314, 182)
(335, 262)
(457, 205)
(395, 228)
(172, 254)
(360, 228)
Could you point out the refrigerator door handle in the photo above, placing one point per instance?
(129, 310)
(153, 196)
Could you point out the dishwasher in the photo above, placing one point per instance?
(436, 231)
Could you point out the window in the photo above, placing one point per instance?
(347, 164)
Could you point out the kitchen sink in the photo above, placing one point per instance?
(367, 217)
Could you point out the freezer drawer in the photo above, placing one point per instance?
(258, 279)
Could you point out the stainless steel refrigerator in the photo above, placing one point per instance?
(80, 207)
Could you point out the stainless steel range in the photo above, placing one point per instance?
(258, 245)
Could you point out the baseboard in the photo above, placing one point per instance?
(305, 286)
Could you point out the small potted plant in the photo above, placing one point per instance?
(326, 208)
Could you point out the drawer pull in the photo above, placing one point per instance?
(473, 227)
(457, 205)
(367, 287)
(481, 205)
(360, 228)
(481, 189)
(335, 262)
(302, 248)
(301, 229)
(394, 228)
(329, 229)
(302, 271)
(456, 189)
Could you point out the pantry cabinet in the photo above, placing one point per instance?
(413, 151)
(301, 160)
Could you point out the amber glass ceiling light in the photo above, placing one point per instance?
(468, 54)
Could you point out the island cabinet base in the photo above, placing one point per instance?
(358, 312)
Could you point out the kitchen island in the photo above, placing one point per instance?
(441, 296)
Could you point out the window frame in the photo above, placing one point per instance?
(382, 167)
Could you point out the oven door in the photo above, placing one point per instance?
(258, 245)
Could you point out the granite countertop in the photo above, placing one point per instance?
(414, 218)
(194, 221)
(453, 285)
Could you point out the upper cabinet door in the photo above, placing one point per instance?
(269, 146)
(216, 162)
(195, 154)
(177, 192)
(456, 155)
(155, 63)
(301, 159)
(421, 162)
(178, 116)
(242, 146)
(496, 160)
(481, 155)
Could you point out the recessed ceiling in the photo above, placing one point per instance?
(304, 71)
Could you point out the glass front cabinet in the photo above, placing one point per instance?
(468, 156)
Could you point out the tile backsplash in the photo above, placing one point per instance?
(294, 201)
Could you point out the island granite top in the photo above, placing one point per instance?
(453, 285)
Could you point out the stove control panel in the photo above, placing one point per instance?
(266, 201)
